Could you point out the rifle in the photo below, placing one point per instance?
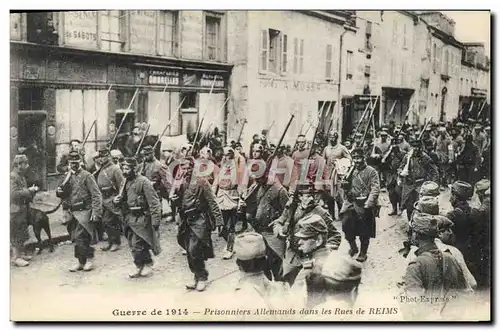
(143, 171)
(364, 114)
(88, 133)
(202, 119)
(241, 130)
(123, 119)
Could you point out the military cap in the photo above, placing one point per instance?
(257, 148)
(340, 268)
(462, 190)
(103, 152)
(383, 133)
(429, 188)
(238, 144)
(311, 227)
(478, 126)
(20, 158)
(460, 125)
(424, 224)
(74, 156)
(358, 135)
(186, 147)
(442, 123)
(482, 185)
(305, 187)
(427, 205)
(249, 246)
(443, 223)
(130, 161)
(487, 128)
(147, 149)
(333, 133)
(116, 153)
(358, 151)
(428, 128)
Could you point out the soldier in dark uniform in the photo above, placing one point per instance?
(460, 216)
(200, 215)
(84, 209)
(152, 169)
(20, 197)
(110, 180)
(270, 199)
(361, 207)
(468, 161)
(74, 145)
(481, 236)
(324, 279)
(390, 164)
(373, 154)
(286, 225)
(142, 218)
(431, 273)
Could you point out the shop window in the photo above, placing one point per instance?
(41, 28)
(212, 38)
(31, 98)
(190, 100)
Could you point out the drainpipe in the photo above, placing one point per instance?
(339, 98)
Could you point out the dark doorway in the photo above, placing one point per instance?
(32, 142)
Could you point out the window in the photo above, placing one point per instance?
(212, 38)
(190, 101)
(284, 54)
(367, 75)
(41, 28)
(31, 98)
(368, 34)
(328, 73)
(295, 55)
(395, 32)
(274, 50)
(301, 57)
(349, 64)
(168, 32)
(110, 30)
(405, 37)
(264, 49)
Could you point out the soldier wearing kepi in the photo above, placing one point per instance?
(142, 218)
(361, 208)
(200, 215)
(153, 170)
(390, 163)
(85, 210)
(321, 286)
(109, 180)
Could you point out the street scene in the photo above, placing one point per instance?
(214, 166)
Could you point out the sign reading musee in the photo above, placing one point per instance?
(159, 77)
(80, 28)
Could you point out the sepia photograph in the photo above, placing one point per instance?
(250, 165)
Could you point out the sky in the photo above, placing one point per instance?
(472, 26)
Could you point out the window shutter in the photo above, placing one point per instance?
(301, 62)
(264, 50)
(284, 53)
(328, 73)
(295, 55)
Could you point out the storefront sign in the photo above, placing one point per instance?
(159, 77)
(80, 28)
(142, 31)
(32, 71)
(190, 79)
(297, 85)
(208, 79)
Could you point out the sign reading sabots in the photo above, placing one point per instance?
(80, 28)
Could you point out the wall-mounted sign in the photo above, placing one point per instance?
(80, 28)
(208, 79)
(159, 77)
(297, 85)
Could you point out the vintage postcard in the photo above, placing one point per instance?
(245, 165)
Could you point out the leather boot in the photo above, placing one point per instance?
(107, 247)
(76, 267)
(89, 265)
(192, 284)
(394, 210)
(146, 271)
(201, 286)
(365, 242)
(114, 248)
(354, 248)
(136, 273)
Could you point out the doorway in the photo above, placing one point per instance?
(31, 140)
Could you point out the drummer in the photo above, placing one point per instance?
(334, 153)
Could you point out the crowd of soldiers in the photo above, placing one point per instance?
(277, 206)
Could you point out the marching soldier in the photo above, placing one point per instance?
(324, 274)
(74, 145)
(286, 225)
(390, 164)
(301, 153)
(468, 160)
(142, 218)
(270, 199)
(21, 196)
(228, 190)
(481, 236)
(117, 157)
(110, 180)
(153, 170)
(283, 166)
(359, 212)
(333, 153)
(85, 210)
(200, 215)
